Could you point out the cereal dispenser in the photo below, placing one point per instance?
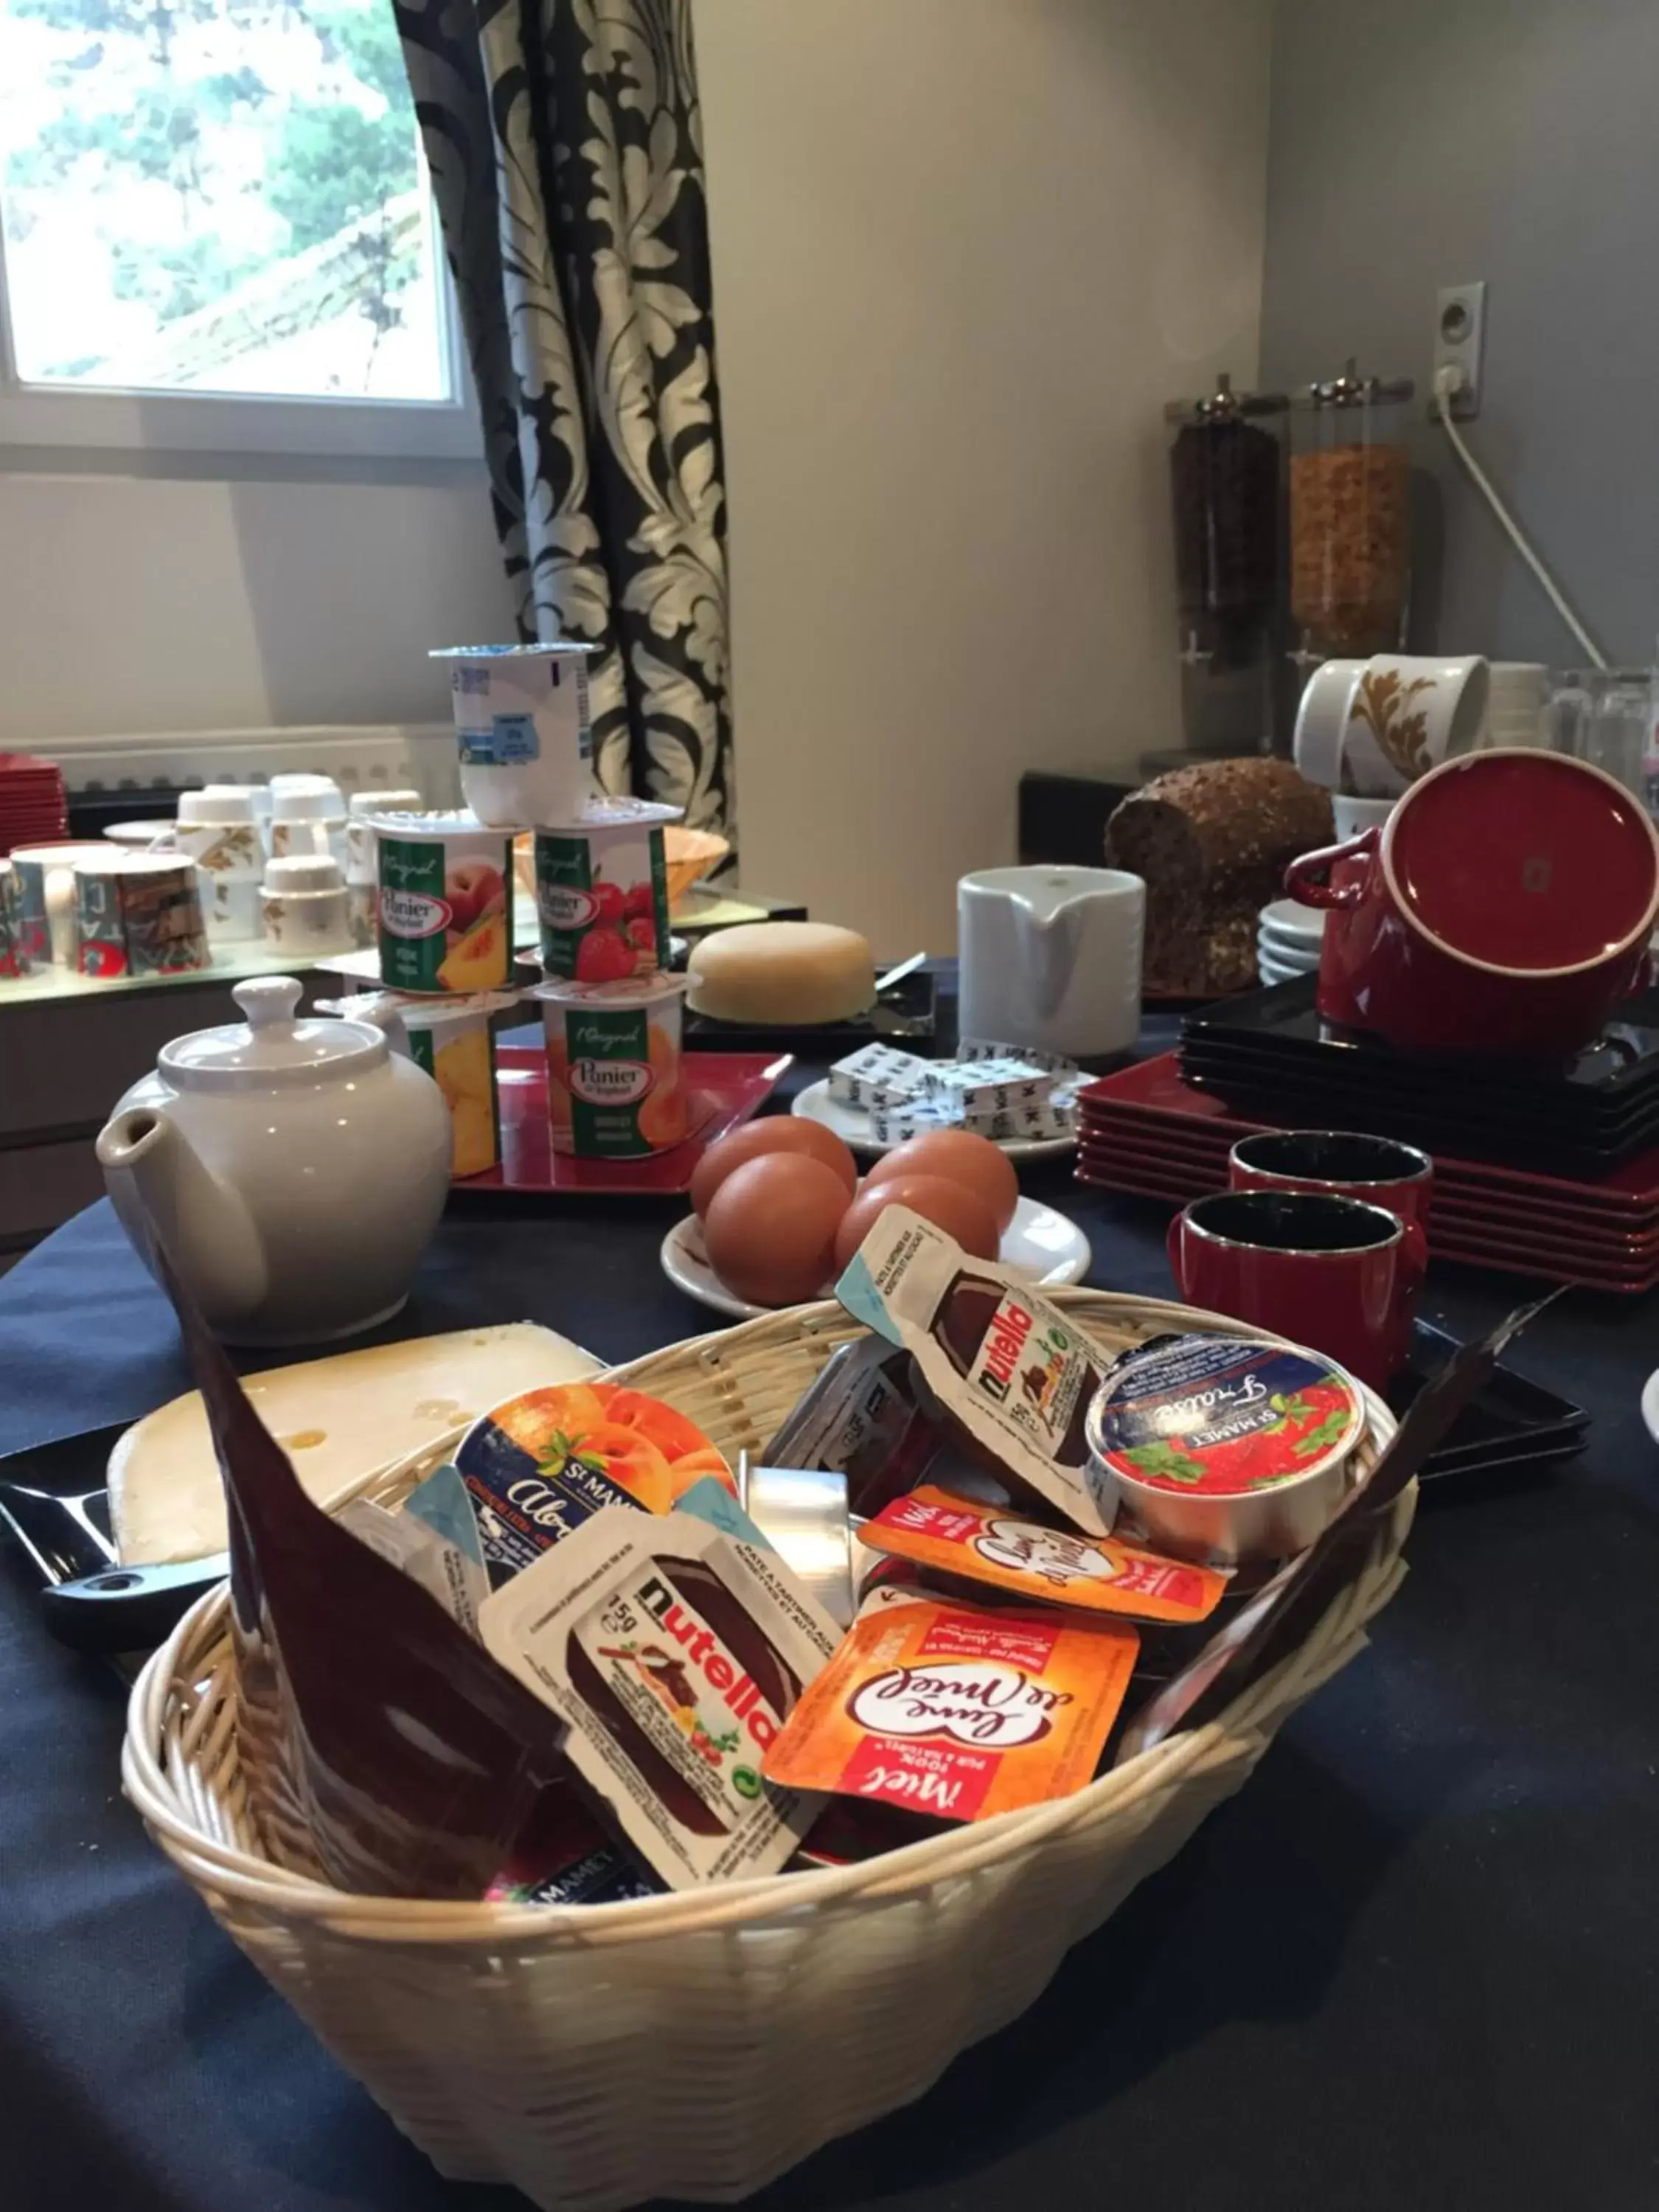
(1350, 482)
(1225, 479)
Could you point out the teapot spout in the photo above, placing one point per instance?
(156, 1179)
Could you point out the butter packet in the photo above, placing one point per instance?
(878, 1075)
(1009, 1367)
(674, 1655)
(444, 1565)
(1096, 1574)
(957, 1711)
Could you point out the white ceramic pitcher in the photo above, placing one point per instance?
(1051, 957)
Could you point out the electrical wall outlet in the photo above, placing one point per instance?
(1459, 336)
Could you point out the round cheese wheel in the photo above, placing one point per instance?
(778, 973)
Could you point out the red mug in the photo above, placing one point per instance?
(1504, 907)
(1397, 1177)
(1334, 1273)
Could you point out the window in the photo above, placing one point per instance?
(218, 231)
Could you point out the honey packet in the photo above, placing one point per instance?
(958, 1711)
(1096, 1574)
(1008, 1368)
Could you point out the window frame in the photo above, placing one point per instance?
(131, 420)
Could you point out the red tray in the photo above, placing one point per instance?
(1153, 1092)
(1145, 1133)
(725, 1089)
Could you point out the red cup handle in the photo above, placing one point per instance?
(1308, 880)
(1172, 1246)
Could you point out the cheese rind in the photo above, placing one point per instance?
(781, 974)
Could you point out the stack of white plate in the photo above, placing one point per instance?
(1287, 940)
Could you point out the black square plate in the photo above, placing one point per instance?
(1304, 1097)
(1607, 1079)
(907, 1016)
(1513, 1419)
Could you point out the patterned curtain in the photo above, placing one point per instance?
(565, 143)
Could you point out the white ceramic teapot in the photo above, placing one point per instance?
(294, 1168)
(1051, 958)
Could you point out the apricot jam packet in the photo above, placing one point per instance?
(1096, 1574)
(957, 1711)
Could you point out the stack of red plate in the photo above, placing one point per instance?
(34, 809)
(1147, 1132)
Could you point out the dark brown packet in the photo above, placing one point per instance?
(380, 1741)
(1284, 1611)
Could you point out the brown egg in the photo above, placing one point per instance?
(960, 1213)
(959, 1156)
(770, 1228)
(775, 1132)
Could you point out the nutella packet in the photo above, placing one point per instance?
(1006, 1365)
(859, 1419)
(955, 1709)
(1096, 1574)
(674, 1654)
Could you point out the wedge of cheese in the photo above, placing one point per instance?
(338, 1419)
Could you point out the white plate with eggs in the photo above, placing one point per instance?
(1044, 1245)
(852, 1125)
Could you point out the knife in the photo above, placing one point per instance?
(129, 1609)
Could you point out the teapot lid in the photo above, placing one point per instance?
(271, 1046)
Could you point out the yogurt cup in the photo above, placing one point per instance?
(523, 730)
(602, 891)
(1226, 1449)
(446, 903)
(452, 1042)
(614, 1069)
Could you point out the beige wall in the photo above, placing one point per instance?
(133, 604)
(964, 250)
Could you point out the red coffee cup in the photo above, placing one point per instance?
(1504, 907)
(1378, 1169)
(1335, 1272)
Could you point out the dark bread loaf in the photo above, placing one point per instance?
(1212, 842)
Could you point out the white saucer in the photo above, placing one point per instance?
(1651, 1405)
(852, 1125)
(1276, 970)
(1045, 1245)
(1292, 922)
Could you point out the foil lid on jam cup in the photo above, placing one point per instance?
(1228, 1449)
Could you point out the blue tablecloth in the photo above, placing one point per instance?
(1414, 1962)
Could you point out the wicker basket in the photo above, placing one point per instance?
(697, 2045)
